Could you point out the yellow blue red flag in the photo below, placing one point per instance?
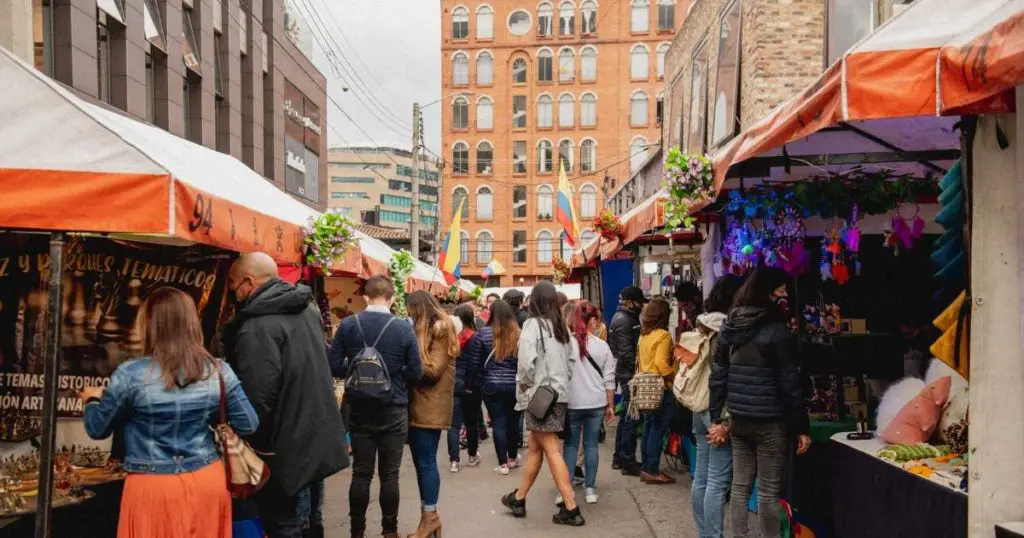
(564, 212)
(451, 251)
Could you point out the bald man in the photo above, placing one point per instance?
(275, 343)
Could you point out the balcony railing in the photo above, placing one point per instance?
(640, 186)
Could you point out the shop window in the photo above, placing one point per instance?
(519, 201)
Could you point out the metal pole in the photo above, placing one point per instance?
(414, 226)
(50, 372)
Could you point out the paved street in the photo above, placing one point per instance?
(470, 504)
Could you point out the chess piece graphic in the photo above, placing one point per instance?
(134, 341)
(96, 314)
(76, 302)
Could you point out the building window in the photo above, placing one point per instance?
(544, 247)
(460, 158)
(544, 65)
(661, 53)
(484, 22)
(519, 23)
(190, 45)
(544, 203)
(588, 202)
(637, 154)
(42, 35)
(103, 58)
(566, 65)
(588, 64)
(564, 250)
(484, 206)
(566, 18)
(638, 109)
(484, 114)
(565, 154)
(544, 156)
(519, 71)
(588, 110)
(666, 15)
(849, 21)
(186, 109)
(639, 17)
(697, 130)
(460, 69)
(519, 246)
(484, 69)
(464, 247)
(460, 113)
(346, 179)
(638, 64)
(460, 199)
(351, 196)
(587, 237)
(659, 108)
(544, 15)
(724, 102)
(519, 112)
(544, 109)
(484, 248)
(484, 158)
(460, 23)
(150, 89)
(218, 71)
(589, 17)
(519, 157)
(588, 155)
(153, 25)
(519, 202)
(566, 109)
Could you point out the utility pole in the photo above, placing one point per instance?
(417, 142)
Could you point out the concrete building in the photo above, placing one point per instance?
(525, 81)
(222, 73)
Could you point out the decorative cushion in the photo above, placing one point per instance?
(916, 422)
(895, 398)
(952, 428)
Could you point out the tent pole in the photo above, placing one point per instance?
(51, 368)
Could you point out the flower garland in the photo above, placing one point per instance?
(689, 179)
(608, 225)
(402, 264)
(561, 270)
(327, 237)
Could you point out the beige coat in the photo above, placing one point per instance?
(431, 401)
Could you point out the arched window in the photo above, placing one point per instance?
(484, 69)
(566, 65)
(544, 15)
(589, 10)
(639, 17)
(519, 71)
(484, 161)
(565, 251)
(639, 68)
(464, 246)
(662, 52)
(484, 204)
(544, 247)
(565, 154)
(587, 237)
(588, 110)
(544, 59)
(637, 154)
(544, 111)
(566, 109)
(484, 248)
(484, 22)
(544, 156)
(460, 69)
(588, 64)
(566, 18)
(544, 211)
(460, 23)
(588, 155)
(484, 114)
(666, 15)
(459, 197)
(460, 158)
(638, 109)
(460, 113)
(588, 201)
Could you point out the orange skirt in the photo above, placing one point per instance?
(189, 505)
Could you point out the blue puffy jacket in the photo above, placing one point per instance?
(496, 374)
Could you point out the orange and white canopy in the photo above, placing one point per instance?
(636, 222)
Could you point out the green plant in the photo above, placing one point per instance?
(453, 292)
(402, 264)
(477, 293)
(608, 225)
(327, 237)
(688, 179)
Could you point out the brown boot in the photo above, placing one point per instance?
(430, 526)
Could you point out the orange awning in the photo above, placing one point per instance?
(647, 215)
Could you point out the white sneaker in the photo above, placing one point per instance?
(590, 495)
(473, 461)
(456, 467)
(518, 462)
(502, 470)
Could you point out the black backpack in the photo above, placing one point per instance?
(368, 379)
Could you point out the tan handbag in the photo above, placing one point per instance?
(247, 473)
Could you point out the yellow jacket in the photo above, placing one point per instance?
(654, 355)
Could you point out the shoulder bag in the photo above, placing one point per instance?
(647, 389)
(247, 473)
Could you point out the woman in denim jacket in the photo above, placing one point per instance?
(165, 405)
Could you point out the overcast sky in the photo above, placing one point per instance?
(393, 47)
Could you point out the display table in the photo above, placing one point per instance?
(875, 497)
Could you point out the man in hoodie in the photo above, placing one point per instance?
(275, 343)
(623, 336)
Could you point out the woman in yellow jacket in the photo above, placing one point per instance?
(654, 355)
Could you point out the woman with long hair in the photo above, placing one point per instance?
(431, 403)
(165, 404)
(492, 363)
(755, 375)
(654, 355)
(466, 406)
(547, 357)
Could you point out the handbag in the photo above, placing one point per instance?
(691, 384)
(545, 397)
(646, 392)
(247, 473)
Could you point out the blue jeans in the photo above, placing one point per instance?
(711, 480)
(312, 504)
(466, 410)
(655, 426)
(282, 517)
(625, 434)
(588, 423)
(423, 444)
(501, 406)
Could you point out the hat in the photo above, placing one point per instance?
(632, 293)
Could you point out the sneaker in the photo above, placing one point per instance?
(590, 495)
(559, 501)
(473, 461)
(572, 517)
(456, 467)
(503, 470)
(517, 507)
(517, 462)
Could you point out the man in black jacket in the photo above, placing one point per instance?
(623, 337)
(275, 343)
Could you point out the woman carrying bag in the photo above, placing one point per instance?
(652, 387)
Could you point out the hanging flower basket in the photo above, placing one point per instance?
(689, 179)
(608, 225)
(402, 264)
(561, 270)
(327, 238)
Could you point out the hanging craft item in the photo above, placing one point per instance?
(741, 247)
(833, 261)
(904, 231)
(851, 239)
(688, 179)
(787, 238)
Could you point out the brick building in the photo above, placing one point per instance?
(525, 82)
(222, 73)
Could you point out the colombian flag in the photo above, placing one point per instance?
(564, 213)
(451, 251)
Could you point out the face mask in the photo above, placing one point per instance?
(233, 294)
(781, 302)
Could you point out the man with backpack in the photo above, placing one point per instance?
(377, 354)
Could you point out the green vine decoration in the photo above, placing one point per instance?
(688, 179)
(402, 264)
(327, 237)
(453, 292)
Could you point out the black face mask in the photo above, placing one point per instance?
(233, 294)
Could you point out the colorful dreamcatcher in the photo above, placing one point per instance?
(788, 232)
(904, 230)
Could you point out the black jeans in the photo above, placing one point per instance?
(505, 422)
(282, 517)
(758, 449)
(377, 434)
